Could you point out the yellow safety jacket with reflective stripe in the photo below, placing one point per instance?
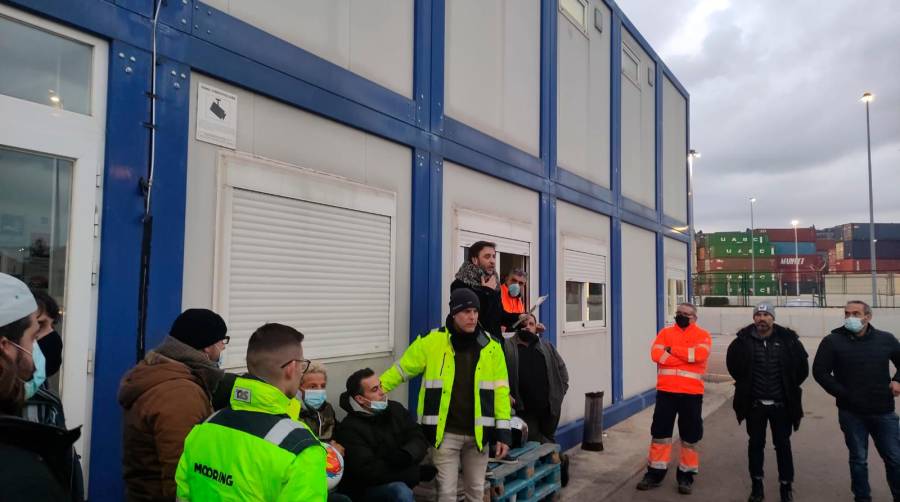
(432, 356)
(252, 451)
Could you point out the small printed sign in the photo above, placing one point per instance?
(216, 116)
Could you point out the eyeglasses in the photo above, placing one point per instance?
(304, 362)
(226, 340)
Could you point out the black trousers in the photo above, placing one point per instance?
(776, 416)
(687, 408)
(541, 426)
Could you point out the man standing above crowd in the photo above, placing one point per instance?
(464, 400)
(480, 275)
(680, 352)
(853, 364)
(166, 394)
(768, 364)
(253, 451)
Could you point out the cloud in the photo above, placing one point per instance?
(774, 96)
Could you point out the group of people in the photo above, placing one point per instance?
(769, 363)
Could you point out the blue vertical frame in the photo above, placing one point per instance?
(660, 193)
(616, 315)
(547, 239)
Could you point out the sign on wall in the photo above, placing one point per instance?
(216, 116)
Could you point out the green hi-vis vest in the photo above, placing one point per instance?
(252, 452)
(432, 356)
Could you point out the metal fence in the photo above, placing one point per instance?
(813, 289)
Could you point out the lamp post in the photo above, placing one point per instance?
(691, 157)
(794, 224)
(867, 98)
(752, 251)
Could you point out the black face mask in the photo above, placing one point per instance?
(528, 336)
(51, 345)
(682, 321)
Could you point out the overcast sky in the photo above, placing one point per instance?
(775, 108)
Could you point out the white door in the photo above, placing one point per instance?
(52, 127)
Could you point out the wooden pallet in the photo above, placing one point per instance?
(528, 474)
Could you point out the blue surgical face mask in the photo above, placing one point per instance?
(314, 398)
(220, 362)
(853, 324)
(40, 370)
(378, 406)
(514, 290)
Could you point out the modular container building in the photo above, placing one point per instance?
(326, 165)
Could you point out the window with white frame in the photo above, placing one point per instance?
(305, 249)
(631, 65)
(576, 11)
(584, 263)
(676, 291)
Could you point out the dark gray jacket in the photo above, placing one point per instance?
(557, 374)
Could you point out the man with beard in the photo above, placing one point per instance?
(768, 364)
(37, 458)
(480, 275)
(464, 400)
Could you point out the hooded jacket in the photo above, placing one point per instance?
(37, 461)
(380, 448)
(163, 397)
(856, 369)
(794, 370)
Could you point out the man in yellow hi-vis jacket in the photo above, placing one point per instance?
(253, 451)
(464, 401)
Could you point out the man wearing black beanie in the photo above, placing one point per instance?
(164, 396)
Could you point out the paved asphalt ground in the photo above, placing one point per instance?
(820, 457)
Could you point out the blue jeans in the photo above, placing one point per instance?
(885, 432)
(391, 492)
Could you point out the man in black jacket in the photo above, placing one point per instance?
(768, 364)
(383, 444)
(853, 365)
(480, 275)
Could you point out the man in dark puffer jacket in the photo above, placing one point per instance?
(383, 444)
(768, 364)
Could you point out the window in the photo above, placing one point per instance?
(576, 12)
(45, 68)
(305, 249)
(676, 292)
(585, 283)
(631, 65)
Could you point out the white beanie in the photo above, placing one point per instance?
(16, 300)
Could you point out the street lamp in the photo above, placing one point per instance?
(867, 98)
(752, 251)
(692, 155)
(794, 224)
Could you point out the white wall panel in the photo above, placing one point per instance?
(587, 355)
(273, 130)
(638, 308)
(638, 123)
(373, 38)
(471, 191)
(583, 92)
(492, 68)
(674, 152)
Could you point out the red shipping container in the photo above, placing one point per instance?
(863, 266)
(825, 244)
(787, 234)
(701, 253)
(807, 262)
(736, 265)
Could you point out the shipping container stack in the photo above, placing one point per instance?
(852, 252)
(725, 261)
(797, 259)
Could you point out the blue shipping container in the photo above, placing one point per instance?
(787, 248)
(859, 250)
(860, 231)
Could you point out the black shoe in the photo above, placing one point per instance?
(787, 495)
(650, 481)
(685, 486)
(757, 493)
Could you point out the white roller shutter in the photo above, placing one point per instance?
(323, 269)
(504, 245)
(585, 267)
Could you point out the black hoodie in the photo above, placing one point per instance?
(379, 448)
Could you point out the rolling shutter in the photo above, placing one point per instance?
(504, 245)
(322, 269)
(585, 267)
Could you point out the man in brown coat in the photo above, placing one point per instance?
(164, 396)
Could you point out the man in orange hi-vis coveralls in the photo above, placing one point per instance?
(680, 352)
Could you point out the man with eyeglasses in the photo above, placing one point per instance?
(253, 450)
(680, 352)
(166, 394)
